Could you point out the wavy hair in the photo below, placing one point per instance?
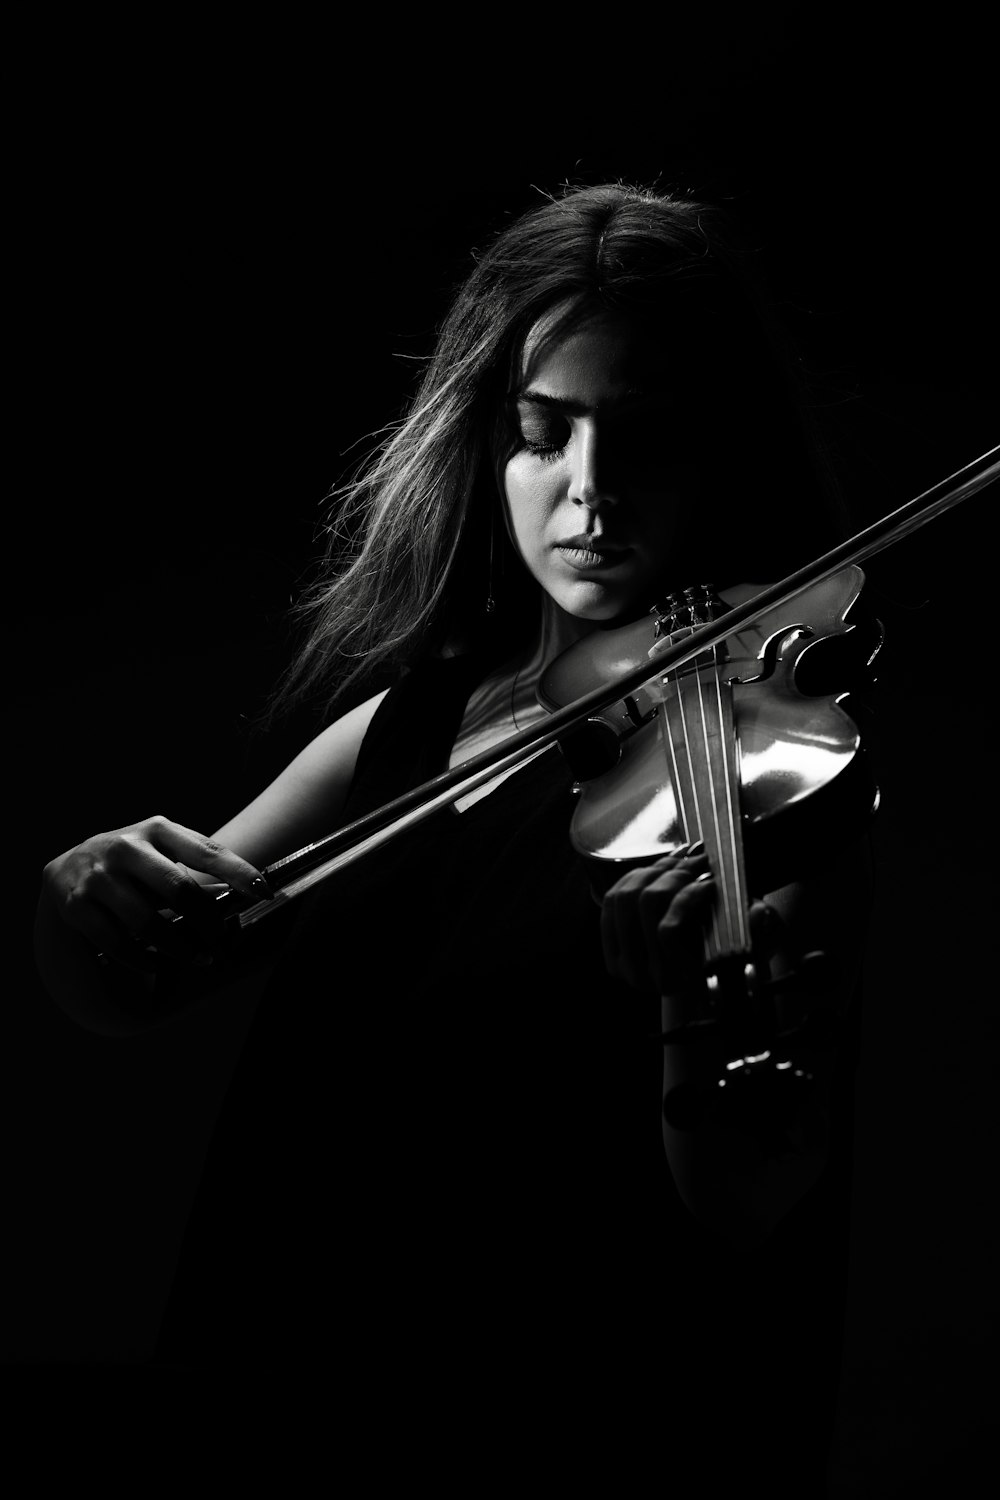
(411, 539)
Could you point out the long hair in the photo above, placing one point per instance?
(412, 538)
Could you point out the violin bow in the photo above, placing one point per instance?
(306, 867)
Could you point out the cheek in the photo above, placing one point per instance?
(529, 497)
(664, 512)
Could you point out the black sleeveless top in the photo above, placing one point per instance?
(439, 1174)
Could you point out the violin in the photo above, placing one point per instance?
(718, 718)
(749, 750)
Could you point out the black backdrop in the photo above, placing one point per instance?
(232, 249)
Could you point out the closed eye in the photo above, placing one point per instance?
(543, 450)
(544, 434)
(544, 431)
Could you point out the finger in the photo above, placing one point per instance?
(631, 910)
(768, 930)
(182, 940)
(132, 909)
(680, 936)
(133, 871)
(192, 913)
(169, 883)
(626, 957)
(658, 898)
(688, 857)
(107, 934)
(206, 856)
(762, 925)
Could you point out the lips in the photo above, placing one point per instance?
(584, 543)
(589, 552)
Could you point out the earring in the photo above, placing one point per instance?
(491, 603)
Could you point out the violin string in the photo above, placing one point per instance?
(738, 902)
(684, 816)
(713, 806)
(715, 760)
(723, 906)
(695, 818)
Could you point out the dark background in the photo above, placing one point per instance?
(231, 249)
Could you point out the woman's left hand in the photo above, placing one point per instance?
(653, 923)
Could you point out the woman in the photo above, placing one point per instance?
(519, 1235)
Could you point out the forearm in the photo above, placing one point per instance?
(764, 1139)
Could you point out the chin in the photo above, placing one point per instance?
(585, 604)
(601, 606)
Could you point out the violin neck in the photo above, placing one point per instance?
(699, 731)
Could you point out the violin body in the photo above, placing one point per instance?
(748, 749)
(655, 768)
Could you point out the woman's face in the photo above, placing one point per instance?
(600, 484)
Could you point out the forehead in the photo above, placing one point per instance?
(597, 356)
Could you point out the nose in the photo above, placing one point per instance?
(590, 482)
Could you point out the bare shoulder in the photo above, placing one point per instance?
(306, 800)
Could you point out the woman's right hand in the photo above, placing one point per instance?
(112, 888)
